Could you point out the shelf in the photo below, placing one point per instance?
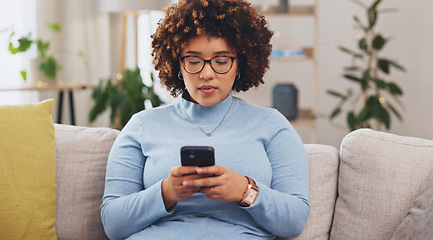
(55, 85)
(305, 118)
(308, 55)
(295, 11)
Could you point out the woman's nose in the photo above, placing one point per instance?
(207, 72)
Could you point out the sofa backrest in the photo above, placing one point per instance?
(380, 175)
(81, 158)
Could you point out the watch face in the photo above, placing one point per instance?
(251, 196)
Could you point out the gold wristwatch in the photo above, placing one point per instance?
(250, 193)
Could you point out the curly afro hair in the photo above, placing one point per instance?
(234, 20)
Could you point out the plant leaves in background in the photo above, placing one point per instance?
(378, 42)
(348, 51)
(363, 44)
(124, 97)
(394, 89)
(24, 43)
(351, 121)
(383, 65)
(396, 65)
(24, 75)
(372, 17)
(49, 67)
(54, 26)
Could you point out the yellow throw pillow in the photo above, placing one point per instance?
(27, 172)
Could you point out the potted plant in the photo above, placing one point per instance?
(368, 70)
(45, 61)
(124, 95)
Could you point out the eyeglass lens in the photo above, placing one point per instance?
(220, 64)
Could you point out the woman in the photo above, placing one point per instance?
(258, 187)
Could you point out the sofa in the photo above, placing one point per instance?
(377, 186)
(364, 191)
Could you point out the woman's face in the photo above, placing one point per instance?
(208, 87)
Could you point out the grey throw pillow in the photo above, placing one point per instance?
(418, 223)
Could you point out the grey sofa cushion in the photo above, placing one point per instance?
(323, 164)
(418, 224)
(380, 176)
(81, 156)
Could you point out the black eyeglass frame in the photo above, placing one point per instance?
(182, 59)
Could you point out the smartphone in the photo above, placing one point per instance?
(201, 156)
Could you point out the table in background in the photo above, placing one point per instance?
(60, 87)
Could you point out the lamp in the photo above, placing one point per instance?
(130, 8)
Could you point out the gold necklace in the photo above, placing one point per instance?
(209, 134)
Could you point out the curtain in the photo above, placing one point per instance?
(83, 49)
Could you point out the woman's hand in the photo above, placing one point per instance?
(173, 188)
(223, 183)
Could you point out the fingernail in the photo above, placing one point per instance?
(199, 170)
(185, 183)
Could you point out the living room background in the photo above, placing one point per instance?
(98, 36)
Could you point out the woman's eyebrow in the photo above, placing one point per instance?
(222, 52)
(193, 52)
(199, 53)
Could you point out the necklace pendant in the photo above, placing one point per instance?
(209, 134)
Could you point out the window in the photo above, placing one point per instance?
(18, 16)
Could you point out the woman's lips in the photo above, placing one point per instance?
(207, 89)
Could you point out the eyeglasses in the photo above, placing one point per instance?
(220, 64)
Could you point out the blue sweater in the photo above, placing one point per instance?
(254, 141)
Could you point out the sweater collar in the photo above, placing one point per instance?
(199, 113)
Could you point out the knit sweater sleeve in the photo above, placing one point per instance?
(127, 207)
(283, 208)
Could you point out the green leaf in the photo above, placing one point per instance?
(353, 78)
(336, 94)
(394, 89)
(24, 75)
(49, 67)
(375, 4)
(12, 49)
(396, 113)
(372, 17)
(365, 79)
(352, 69)
(396, 65)
(351, 121)
(354, 54)
(363, 115)
(363, 44)
(24, 43)
(335, 112)
(359, 24)
(42, 47)
(385, 117)
(54, 26)
(378, 42)
(374, 106)
(383, 65)
(381, 84)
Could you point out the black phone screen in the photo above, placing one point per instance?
(201, 156)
